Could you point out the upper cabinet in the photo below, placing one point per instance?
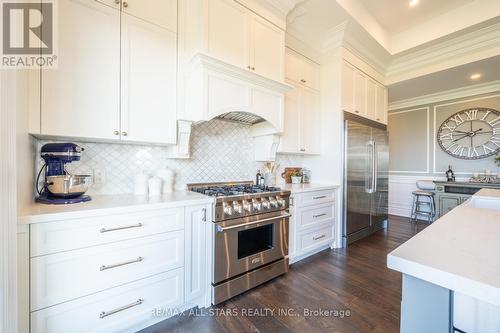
(302, 126)
(116, 75)
(234, 34)
(301, 70)
(362, 95)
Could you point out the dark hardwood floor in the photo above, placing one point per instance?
(354, 281)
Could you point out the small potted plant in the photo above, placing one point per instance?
(296, 177)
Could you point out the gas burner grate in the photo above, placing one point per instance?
(222, 191)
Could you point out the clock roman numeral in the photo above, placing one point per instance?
(448, 127)
(458, 150)
(471, 114)
(457, 119)
(486, 115)
(495, 121)
(472, 152)
(487, 149)
(447, 136)
(495, 140)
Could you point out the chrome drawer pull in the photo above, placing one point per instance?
(319, 237)
(320, 197)
(319, 215)
(138, 225)
(125, 307)
(104, 267)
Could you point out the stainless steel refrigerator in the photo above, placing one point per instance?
(366, 180)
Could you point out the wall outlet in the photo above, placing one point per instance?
(99, 177)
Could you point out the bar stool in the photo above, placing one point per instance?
(423, 199)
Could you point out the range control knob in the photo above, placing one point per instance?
(273, 202)
(228, 210)
(256, 204)
(266, 204)
(247, 206)
(238, 208)
(281, 201)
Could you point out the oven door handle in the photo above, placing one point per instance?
(222, 229)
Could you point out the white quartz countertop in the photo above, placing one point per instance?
(108, 204)
(460, 251)
(298, 188)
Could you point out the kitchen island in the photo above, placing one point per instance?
(452, 268)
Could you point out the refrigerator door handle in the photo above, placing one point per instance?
(375, 167)
(369, 184)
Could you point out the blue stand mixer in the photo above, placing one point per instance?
(60, 187)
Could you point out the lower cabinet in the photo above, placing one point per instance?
(143, 267)
(312, 226)
(446, 202)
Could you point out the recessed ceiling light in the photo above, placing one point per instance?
(413, 3)
(475, 76)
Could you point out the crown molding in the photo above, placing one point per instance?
(476, 45)
(477, 89)
(284, 6)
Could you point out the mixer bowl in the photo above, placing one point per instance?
(68, 186)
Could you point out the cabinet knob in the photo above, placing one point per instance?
(303, 81)
(124, 133)
(249, 67)
(116, 133)
(378, 119)
(302, 149)
(125, 4)
(117, 2)
(356, 111)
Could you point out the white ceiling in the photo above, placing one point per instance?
(395, 25)
(452, 78)
(396, 15)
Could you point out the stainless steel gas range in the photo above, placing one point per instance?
(250, 235)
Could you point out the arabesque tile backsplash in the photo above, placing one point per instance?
(220, 151)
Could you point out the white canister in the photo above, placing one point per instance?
(168, 177)
(141, 184)
(154, 186)
(269, 179)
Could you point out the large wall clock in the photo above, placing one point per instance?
(471, 134)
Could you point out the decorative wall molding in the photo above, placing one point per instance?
(468, 91)
(476, 45)
(428, 147)
(8, 211)
(434, 143)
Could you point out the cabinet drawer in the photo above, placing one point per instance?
(311, 239)
(65, 276)
(314, 215)
(121, 309)
(67, 235)
(313, 198)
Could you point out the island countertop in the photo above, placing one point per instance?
(459, 251)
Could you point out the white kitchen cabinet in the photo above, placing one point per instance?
(267, 51)
(198, 225)
(148, 82)
(234, 34)
(301, 133)
(312, 226)
(160, 12)
(102, 91)
(363, 95)
(301, 70)
(81, 98)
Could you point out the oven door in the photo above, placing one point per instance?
(242, 245)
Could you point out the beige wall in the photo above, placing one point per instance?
(412, 138)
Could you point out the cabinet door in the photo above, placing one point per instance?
(381, 101)
(348, 87)
(310, 125)
(310, 74)
(447, 203)
(159, 12)
(293, 66)
(196, 269)
(148, 82)
(289, 142)
(228, 32)
(267, 50)
(360, 93)
(81, 98)
(112, 3)
(371, 102)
